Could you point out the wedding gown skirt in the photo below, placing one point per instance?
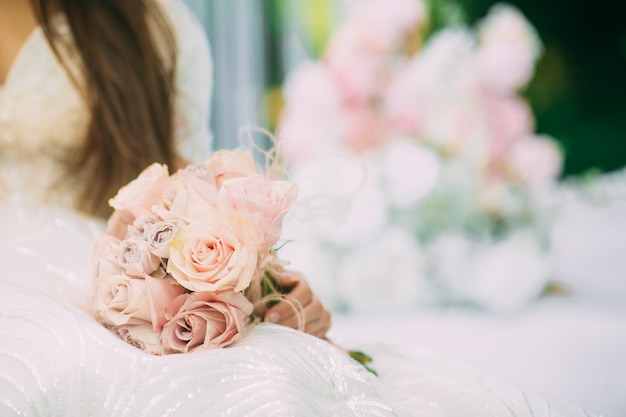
(56, 360)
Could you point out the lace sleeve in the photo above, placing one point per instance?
(194, 82)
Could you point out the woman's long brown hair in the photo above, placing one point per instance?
(127, 55)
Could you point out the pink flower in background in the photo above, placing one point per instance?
(379, 26)
(260, 199)
(209, 256)
(363, 129)
(310, 93)
(357, 75)
(510, 120)
(204, 320)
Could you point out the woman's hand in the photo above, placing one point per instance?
(316, 318)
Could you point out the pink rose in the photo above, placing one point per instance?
(186, 198)
(161, 292)
(139, 195)
(119, 223)
(227, 164)
(136, 259)
(204, 320)
(159, 237)
(208, 256)
(262, 200)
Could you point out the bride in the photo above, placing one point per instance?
(90, 94)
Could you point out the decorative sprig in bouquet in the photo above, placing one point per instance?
(187, 257)
(426, 146)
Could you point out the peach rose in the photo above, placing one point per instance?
(262, 200)
(139, 195)
(204, 320)
(208, 256)
(226, 164)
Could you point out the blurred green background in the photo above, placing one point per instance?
(578, 93)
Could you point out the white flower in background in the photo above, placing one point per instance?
(505, 22)
(307, 256)
(509, 48)
(589, 245)
(385, 274)
(509, 274)
(411, 172)
(341, 198)
(448, 256)
(536, 161)
(444, 61)
(381, 25)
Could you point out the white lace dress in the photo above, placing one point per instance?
(55, 360)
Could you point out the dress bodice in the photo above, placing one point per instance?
(43, 119)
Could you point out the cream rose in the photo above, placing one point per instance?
(262, 200)
(104, 260)
(208, 256)
(140, 335)
(121, 299)
(204, 320)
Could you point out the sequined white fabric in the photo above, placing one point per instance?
(56, 360)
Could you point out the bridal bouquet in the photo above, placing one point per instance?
(425, 145)
(187, 257)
